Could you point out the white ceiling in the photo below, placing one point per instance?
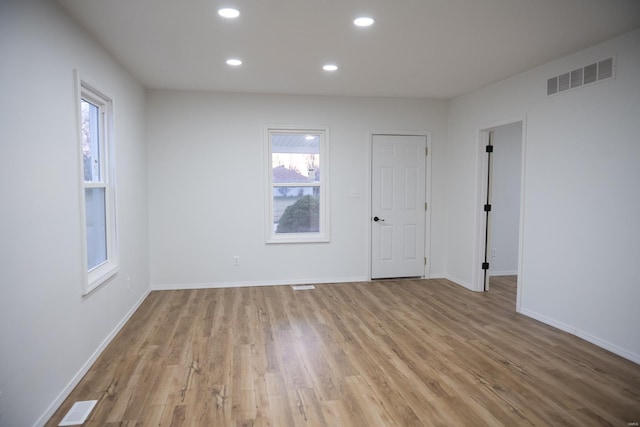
(416, 48)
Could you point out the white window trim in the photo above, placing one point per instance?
(92, 279)
(324, 234)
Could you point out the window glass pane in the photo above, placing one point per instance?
(295, 157)
(296, 209)
(96, 226)
(90, 142)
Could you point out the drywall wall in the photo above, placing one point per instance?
(49, 332)
(581, 236)
(505, 199)
(207, 167)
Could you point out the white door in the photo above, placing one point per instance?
(398, 206)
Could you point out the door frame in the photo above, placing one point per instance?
(427, 177)
(481, 198)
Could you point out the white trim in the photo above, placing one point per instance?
(53, 407)
(288, 282)
(427, 228)
(100, 274)
(523, 177)
(367, 215)
(634, 357)
(324, 234)
(427, 218)
(503, 273)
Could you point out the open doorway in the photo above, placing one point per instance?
(501, 166)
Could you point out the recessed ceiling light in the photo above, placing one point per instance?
(330, 67)
(229, 13)
(234, 62)
(363, 21)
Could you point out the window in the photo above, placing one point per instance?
(98, 207)
(298, 200)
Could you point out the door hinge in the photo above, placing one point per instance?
(489, 148)
(426, 151)
(425, 260)
(425, 206)
(487, 208)
(485, 265)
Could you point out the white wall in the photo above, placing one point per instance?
(206, 150)
(506, 162)
(581, 234)
(48, 331)
(581, 238)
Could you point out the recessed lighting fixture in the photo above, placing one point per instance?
(364, 21)
(234, 62)
(229, 13)
(330, 67)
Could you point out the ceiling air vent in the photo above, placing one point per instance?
(583, 76)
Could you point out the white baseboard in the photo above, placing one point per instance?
(87, 365)
(503, 273)
(216, 285)
(460, 282)
(583, 335)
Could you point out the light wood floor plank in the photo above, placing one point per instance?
(383, 353)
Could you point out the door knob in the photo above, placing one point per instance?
(376, 219)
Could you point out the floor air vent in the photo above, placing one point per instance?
(78, 413)
(586, 75)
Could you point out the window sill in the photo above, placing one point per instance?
(297, 238)
(99, 276)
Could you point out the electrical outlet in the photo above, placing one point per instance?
(236, 261)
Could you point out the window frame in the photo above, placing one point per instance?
(100, 274)
(324, 233)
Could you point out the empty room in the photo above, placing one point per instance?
(296, 213)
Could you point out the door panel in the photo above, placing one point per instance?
(386, 243)
(398, 200)
(410, 241)
(386, 199)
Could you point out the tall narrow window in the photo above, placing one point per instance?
(298, 185)
(95, 120)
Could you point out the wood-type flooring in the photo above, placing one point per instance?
(382, 353)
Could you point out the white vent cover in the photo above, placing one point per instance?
(605, 69)
(78, 413)
(303, 287)
(588, 74)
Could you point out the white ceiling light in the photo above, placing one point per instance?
(363, 21)
(330, 67)
(309, 137)
(229, 13)
(234, 62)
